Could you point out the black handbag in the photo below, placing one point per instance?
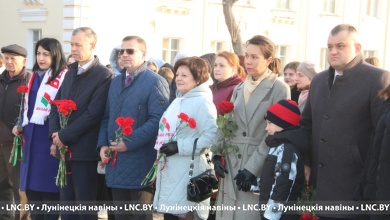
(202, 186)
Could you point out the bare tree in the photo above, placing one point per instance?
(232, 26)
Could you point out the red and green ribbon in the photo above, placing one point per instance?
(152, 174)
(17, 150)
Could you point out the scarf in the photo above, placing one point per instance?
(250, 85)
(302, 99)
(168, 123)
(45, 95)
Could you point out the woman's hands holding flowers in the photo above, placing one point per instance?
(16, 131)
(169, 149)
(219, 166)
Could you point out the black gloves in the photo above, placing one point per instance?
(244, 180)
(169, 149)
(219, 169)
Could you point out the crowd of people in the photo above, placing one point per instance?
(326, 129)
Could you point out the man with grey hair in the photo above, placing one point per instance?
(340, 116)
(86, 83)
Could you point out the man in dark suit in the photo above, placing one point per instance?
(86, 83)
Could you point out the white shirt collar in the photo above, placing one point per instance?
(87, 65)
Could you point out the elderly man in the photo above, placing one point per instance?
(143, 95)
(12, 77)
(86, 83)
(340, 114)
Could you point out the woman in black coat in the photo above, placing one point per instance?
(375, 181)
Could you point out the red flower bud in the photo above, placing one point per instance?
(191, 123)
(127, 130)
(22, 89)
(183, 117)
(226, 107)
(305, 216)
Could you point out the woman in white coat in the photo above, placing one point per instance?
(196, 100)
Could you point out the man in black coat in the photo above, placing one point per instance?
(340, 114)
(14, 76)
(86, 83)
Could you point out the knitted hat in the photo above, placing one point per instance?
(15, 49)
(307, 68)
(284, 113)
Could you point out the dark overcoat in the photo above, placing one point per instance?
(341, 118)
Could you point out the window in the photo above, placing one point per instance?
(324, 59)
(33, 36)
(370, 53)
(217, 46)
(373, 8)
(283, 4)
(329, 6)
(37, 35)
(170, 49)
(281, 53)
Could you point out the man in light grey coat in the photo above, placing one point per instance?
(340, 115)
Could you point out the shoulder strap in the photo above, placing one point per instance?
(192, 158)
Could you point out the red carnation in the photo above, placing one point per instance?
(120, 121)
(127, 130)
(183, 117)
(63, 110)
(22, 89)
(71, 105)
(305, 216)
(191, 123)
(128, 121)
(226, 107)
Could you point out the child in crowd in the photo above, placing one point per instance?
(282, 179)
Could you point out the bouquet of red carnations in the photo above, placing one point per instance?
(65, 108)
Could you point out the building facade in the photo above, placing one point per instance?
(299, 28)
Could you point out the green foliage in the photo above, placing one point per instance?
(226, 128)
(307, 199)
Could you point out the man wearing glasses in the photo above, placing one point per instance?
(142, 95)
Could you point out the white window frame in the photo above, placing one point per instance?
(217, 46)
(283, 4)
(370, 53)
(282, 53)
(324, 59)
(33, 36)
(329, 6)
(373, 8)
(168, 54)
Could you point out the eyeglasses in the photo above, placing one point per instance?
(128, 51)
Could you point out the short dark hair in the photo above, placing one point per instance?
(139, 40)
(198, 68)
(343, 27)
